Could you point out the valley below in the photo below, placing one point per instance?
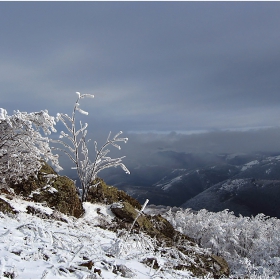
(246, 184)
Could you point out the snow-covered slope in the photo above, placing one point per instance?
(32, 247)
(38, 242)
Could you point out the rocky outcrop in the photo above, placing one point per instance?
(58, 192)
(174, 243)
(203, 264)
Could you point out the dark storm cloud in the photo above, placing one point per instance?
(153, 66)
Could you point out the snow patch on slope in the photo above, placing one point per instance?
(233, 185)
(171, 182)
(166, 182)
(249, 165)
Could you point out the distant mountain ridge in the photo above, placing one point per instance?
(242, 196)
(194, 180)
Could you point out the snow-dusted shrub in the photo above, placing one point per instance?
(22, 147)
(75, 147)
(250, 245)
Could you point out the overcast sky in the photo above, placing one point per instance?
(152, 66)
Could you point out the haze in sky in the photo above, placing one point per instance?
(152, 66)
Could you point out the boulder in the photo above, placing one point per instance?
(26, 187)
(126, 213)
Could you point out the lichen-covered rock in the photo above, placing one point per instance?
(58, 192)
(152, 225)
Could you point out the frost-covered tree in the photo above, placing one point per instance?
(75, 147)
(22, 147)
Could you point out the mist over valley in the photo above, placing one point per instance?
(191, 171)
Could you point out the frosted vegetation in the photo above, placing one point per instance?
(22, 147)
(250, 245)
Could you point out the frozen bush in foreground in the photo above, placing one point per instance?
(250, 245)
(76, 149)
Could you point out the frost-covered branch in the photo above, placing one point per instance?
(138, 215)
(77, 150)
(22, 147)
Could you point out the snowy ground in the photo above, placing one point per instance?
(32, 247)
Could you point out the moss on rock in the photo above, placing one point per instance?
(107, 194)
(58, 192)
(62, 196)
(127, 214)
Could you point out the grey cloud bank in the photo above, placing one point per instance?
(250, 141)
(153, 66)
